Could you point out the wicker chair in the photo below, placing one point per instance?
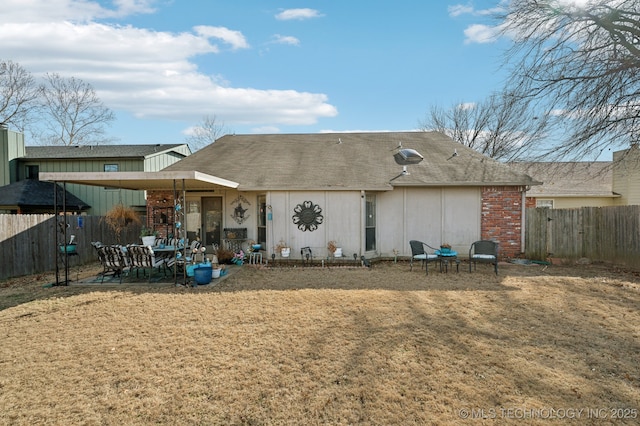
(484, 251)
(418, 252)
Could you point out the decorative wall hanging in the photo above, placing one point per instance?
(307, 216)
(239, 213)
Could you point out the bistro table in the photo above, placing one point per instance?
(167, 249)
(446, 257)
(167, 252)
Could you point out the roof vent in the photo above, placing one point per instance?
(407, 156)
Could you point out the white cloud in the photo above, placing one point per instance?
(280, 39)
(460, 9)
(368, 130)
(234, 38)
(130, 7)
(467, 105)
(298, 14)
(266, 130)
(30, 11)
(479, 33)
(146, 73)
(576, 3)
(468, 9)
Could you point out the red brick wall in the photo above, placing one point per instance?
(157, 199)
(502, 217)
(531, 202)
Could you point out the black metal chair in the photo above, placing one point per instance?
(307, 256)
(484, 251)
(418, 252)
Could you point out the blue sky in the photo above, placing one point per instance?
(260, 66)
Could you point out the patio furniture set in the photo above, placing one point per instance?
(125, 259)
(482, 251)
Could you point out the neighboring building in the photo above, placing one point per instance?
(11, 148)
(31, 196)
(569, 184)
(309, 189)
(22, 163)
(626, 175)
(585, 184)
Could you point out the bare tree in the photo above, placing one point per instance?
(74, 115)
(504, 126)
(19, 95)
(206, 132)
(581, 62)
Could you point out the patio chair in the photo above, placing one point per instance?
(160, 242)
(182, 259)
(484, 251)
(112, 259)
(418, 252)
(142, 257)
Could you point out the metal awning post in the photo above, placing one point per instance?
(180, 216)
(60, 227)
(55, 232)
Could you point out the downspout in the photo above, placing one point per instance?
(524, 219)
(363, 221)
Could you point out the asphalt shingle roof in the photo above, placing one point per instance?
(95, 151)
(32, 193)
(569, 179)
(335, 161)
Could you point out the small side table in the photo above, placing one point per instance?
(255, 258)
(446, 258)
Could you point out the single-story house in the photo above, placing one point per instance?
(371, 193)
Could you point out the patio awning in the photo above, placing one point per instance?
(162, 180)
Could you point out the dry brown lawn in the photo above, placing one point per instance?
(384, 346)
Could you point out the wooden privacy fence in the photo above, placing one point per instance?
(607, 234)
(29, 242)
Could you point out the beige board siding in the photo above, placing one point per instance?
(626, 176)
(431, 215)
(341, 221)
(577, 202)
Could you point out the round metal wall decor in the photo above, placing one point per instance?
(307, 216)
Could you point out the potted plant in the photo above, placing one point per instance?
(445, 248)
(333, 248)
(148, 236)
(283, 248)
(224, 256)
(119, 217)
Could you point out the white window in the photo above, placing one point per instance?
(544, 203)
(111, 168)
(370, 222)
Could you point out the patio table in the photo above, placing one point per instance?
(446, 258)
